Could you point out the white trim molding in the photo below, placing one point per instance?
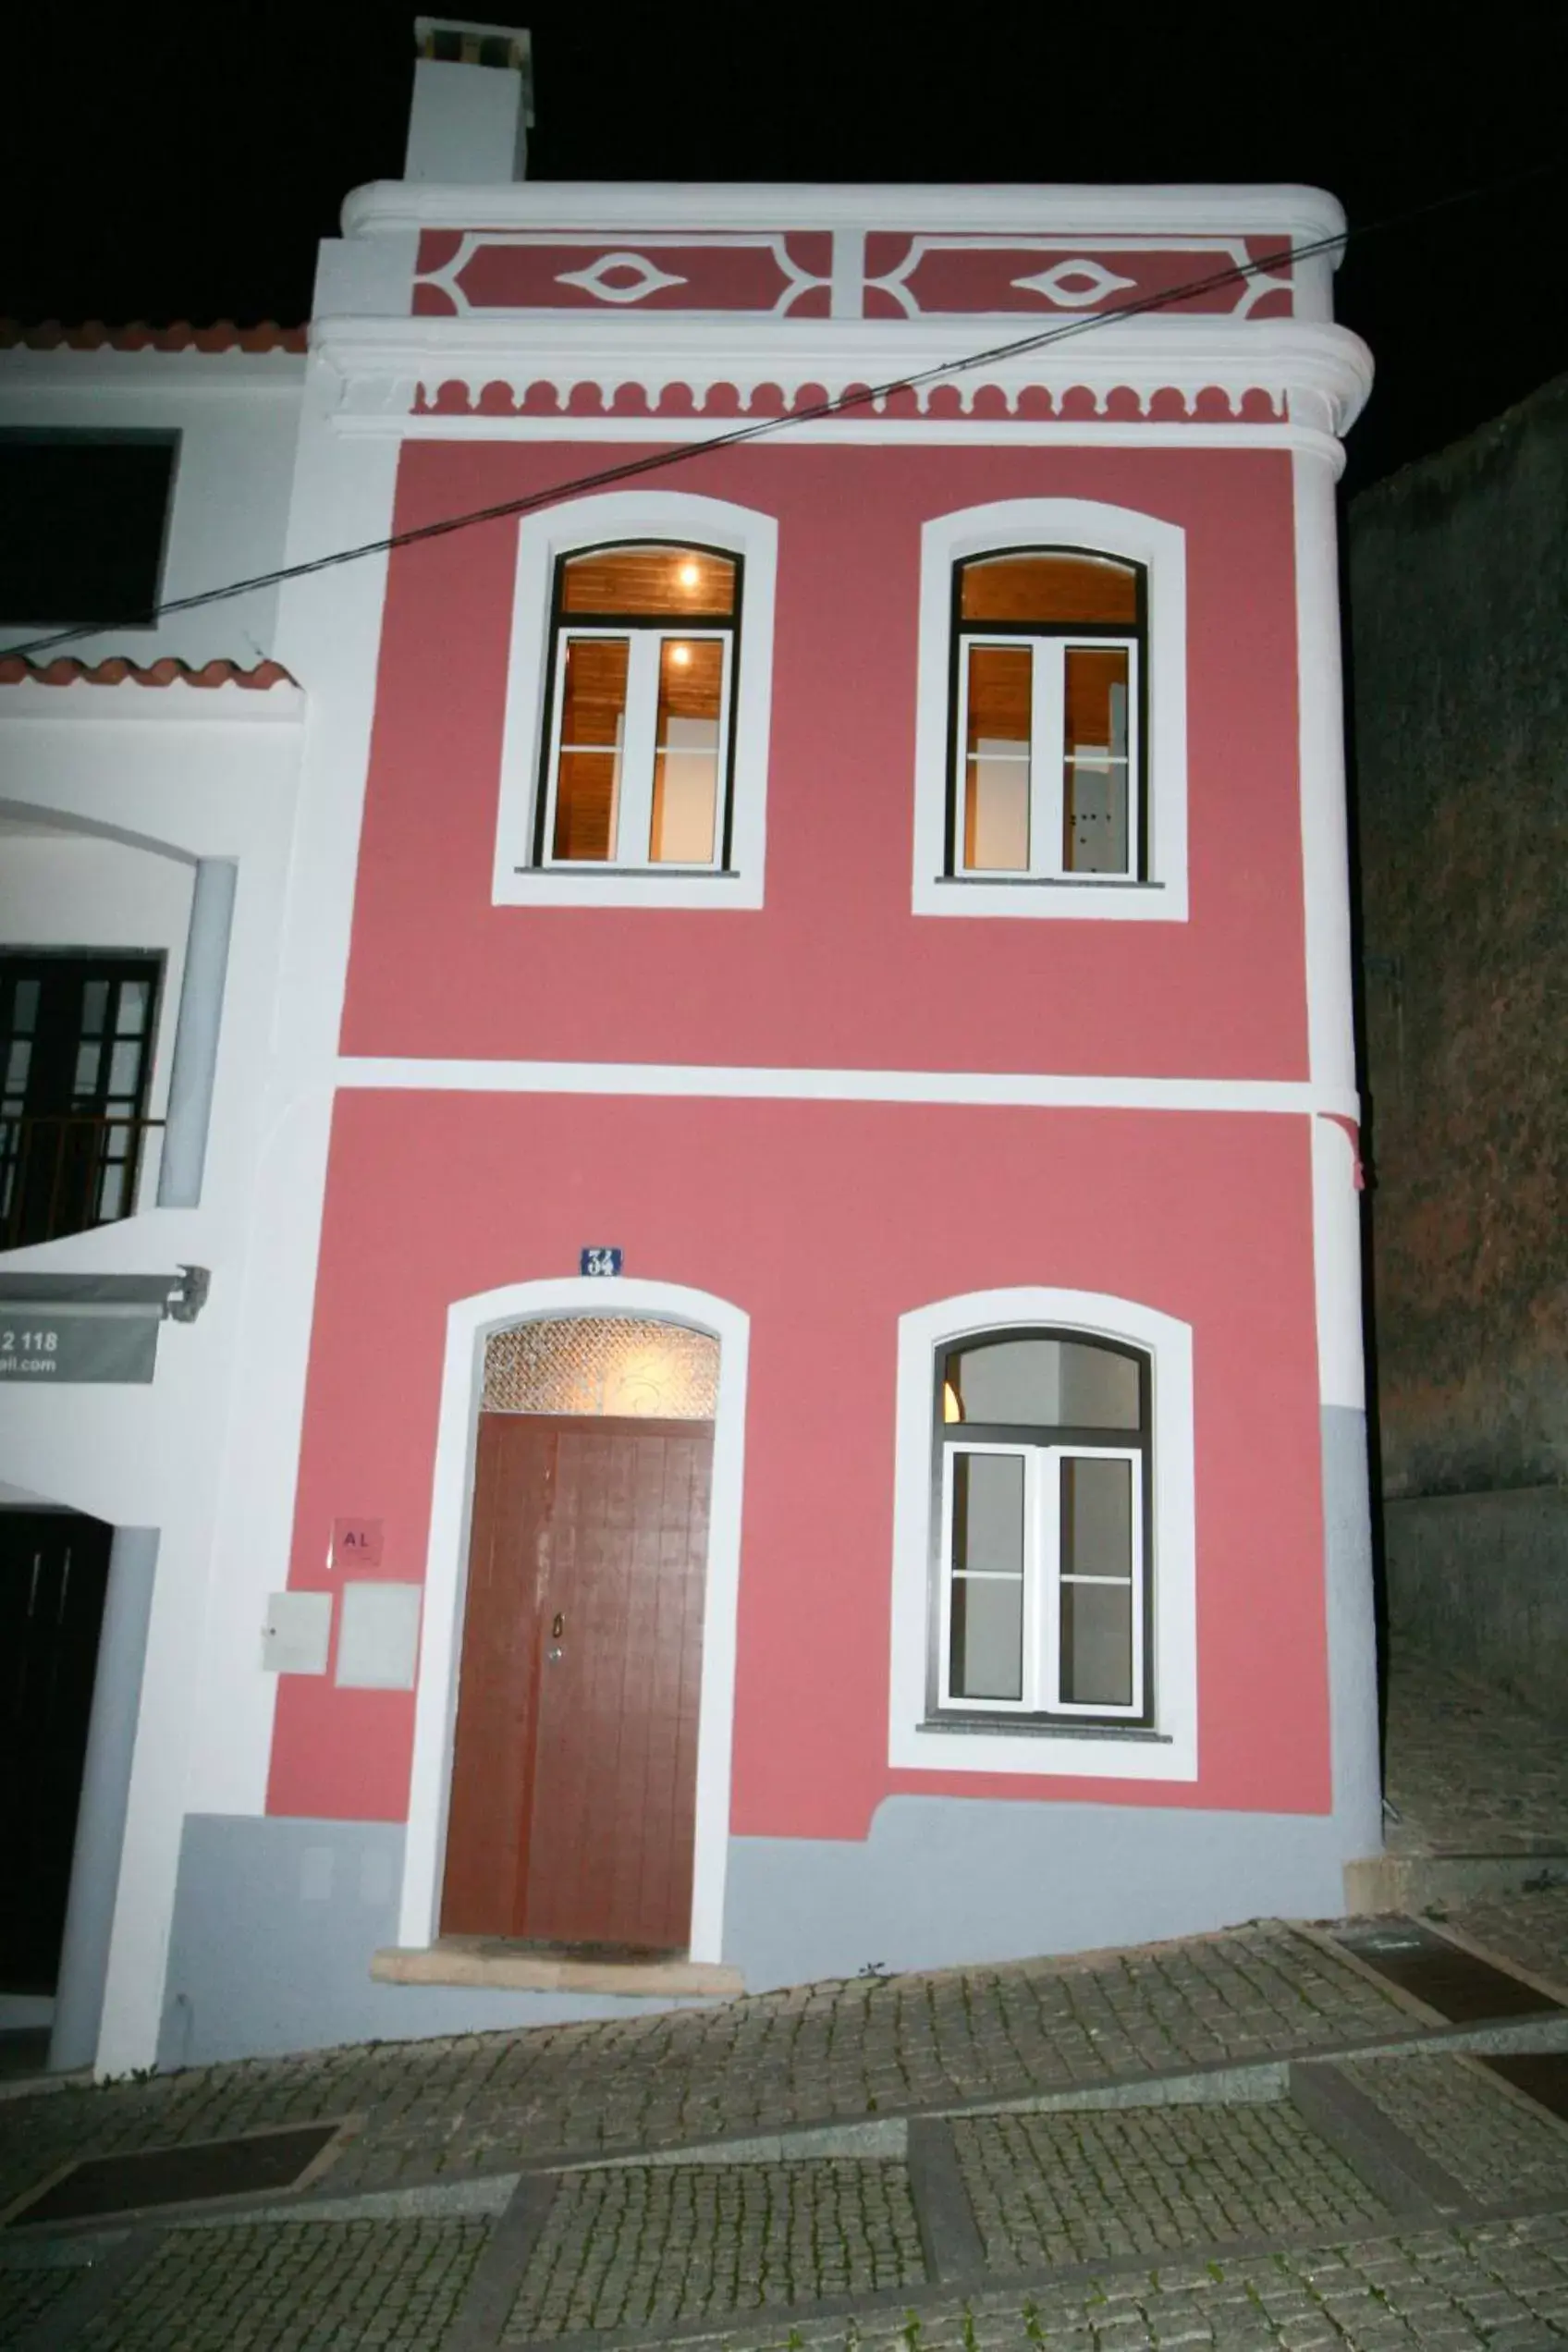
(1161, 548)
(542, 539)
(469, 1324)
(1322, 371)
(725, 1082)
(1172, 210)
(1050, 1752)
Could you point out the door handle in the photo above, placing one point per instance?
(557, 1627)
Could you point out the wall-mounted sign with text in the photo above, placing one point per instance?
(601, 1261)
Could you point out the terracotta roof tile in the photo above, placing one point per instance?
(51, 335)
(66, 670)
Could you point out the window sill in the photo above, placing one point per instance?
(1025, 1727)
(558, 885)
(1047, 899)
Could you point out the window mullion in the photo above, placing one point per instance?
(1046, 1578)
(1046, 744)
(633, 836)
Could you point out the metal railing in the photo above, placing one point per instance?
(65, 1172)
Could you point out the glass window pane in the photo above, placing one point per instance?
(24, 1006)
(1097, 1518)
(17, 1062)
(593, 714)
(996, 759)
(686, 760)
(111, 1192)
(131, 1017)
(125, 1070)
(988, 1513)
(95, 1006)
(1040, 586)
(1045, 1383)
(1095, 782)
(658, 580)
(985, 1643)
(1096, 1644)
(87, 1057)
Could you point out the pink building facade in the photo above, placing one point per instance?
(803, 1286)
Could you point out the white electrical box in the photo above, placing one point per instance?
(378, 1635)
(298, 1633)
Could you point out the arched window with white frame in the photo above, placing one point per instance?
(639, 688)
(1043, 1551)
(1044, 1594)
(1050, 740)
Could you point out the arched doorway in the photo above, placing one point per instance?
(574, 1766)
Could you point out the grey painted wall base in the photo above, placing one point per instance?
(1480, 1582)
(275, 1922)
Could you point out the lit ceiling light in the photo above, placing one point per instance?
(689, 575)
(680, 656)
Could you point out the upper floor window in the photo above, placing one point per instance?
(638, 700)
(1047, 735)
(1051, 775)
(637, 763)
(86, 517)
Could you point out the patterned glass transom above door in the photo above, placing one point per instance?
(625, 1366)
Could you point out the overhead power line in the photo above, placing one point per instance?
(756, 429)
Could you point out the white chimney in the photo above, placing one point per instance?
(474, 102)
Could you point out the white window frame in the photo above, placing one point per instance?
(636, 754)
(990, 1736)
(1047, 757)
(1042, 1580)
(1096, 529)
(634, 517)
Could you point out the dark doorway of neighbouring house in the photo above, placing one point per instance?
(53, 1572)
(573, 1795)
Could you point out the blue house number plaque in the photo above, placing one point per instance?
(601, 1261)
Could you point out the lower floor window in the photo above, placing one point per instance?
(1042, 1574)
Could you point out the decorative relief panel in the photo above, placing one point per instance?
(811, 273)
(461, 271)
(623, 1366)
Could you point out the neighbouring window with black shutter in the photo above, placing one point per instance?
(83, 519)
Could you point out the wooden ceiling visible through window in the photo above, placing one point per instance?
(1047, 586)
(675, 584)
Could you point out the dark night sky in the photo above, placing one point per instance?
(182, 163)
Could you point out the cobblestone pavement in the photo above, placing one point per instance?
(1049, 2191)
(1466, 1772)
(1496, 2144)
(25, 2296)
(1502, 2285)
(824, 2052)
(650, 2245)
(277, 2286)
(1531, 1930)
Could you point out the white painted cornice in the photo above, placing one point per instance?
(1324, 373)
(86, 703)
(387, 207)
(25, 372)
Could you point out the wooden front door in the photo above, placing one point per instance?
(574, 1768)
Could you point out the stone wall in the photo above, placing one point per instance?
(1458, 599)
